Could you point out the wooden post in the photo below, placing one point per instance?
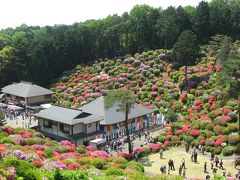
(127, 131)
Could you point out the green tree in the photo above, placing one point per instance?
(124, 100)
(168, 27)
(186, 50)
(201, 24)
(2, 119)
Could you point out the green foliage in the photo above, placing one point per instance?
(186, 49)
(70, 175)
(135, 165)
(98, 163)
(49, 153)
(228, 151)
(114, 172)
(7, 140)
(81, 150)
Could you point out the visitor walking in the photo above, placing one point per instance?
(205, 167)
(184, 173)
(221, 164)
(216, 161)
(195, 157)
(180, 170)
(161, 153)
(212, 156)
(183, 164)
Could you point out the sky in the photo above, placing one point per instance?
(50, 12)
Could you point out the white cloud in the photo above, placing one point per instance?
(49, 12)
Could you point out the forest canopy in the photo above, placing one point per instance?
(41, 54)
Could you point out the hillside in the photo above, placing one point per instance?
(205, 115)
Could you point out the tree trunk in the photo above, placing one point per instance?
(127, 131)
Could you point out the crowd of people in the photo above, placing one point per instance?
(27, 117)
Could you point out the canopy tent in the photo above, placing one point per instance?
(45, 106)
(15, 108)
(2, 105)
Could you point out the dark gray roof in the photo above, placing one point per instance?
(25, 89)
(111, 116)
(68, 116)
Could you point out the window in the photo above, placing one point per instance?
(89, 125)
(54, 123)
(47, 123)
(64, 128)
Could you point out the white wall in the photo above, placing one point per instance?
(77, 128)
(92, 127)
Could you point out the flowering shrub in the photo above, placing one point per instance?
(179, 131)
(194, 132)
(205, 118)
(126, 156)
(8, 130)
(218, 142)
(234, 138)
(226, 118)
(39, 147)
(99, 153)
(91, 148)
(154, 147)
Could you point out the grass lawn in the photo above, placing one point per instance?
(153, 162)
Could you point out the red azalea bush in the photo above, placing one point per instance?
(73, 167)
(154, 147)
(126, 156)
(37, 164)
(8, 130)
(178, 132)
(205, 118)
(210, 142)
(139, 150)
(194, 132)
(226, 118)
(91, 148)
(186, 128)
(218, 142)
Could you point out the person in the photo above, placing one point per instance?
(180, 170)
(136, 154)
(162, 169)
(224, 172)
(221, 164)
(161, 153)
(184, 172)
(183, 164)
(192, 155)
(195, 157)
(203, 149)
(214, 170)
(165, 169)
(205, 167)
(212, 156)
(216, 161)
(169, 164)
(207, 177)
(139, 135)
(145, 133)
(172, 164)
(212, 164)
(187, 147)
